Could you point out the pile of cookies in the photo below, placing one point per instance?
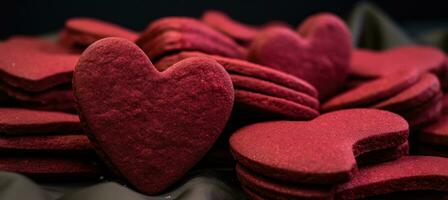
(45, 145)
(151, 105)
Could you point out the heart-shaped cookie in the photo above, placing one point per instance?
(371, 64)
(320, 53)
(150, 127)
(320, 151)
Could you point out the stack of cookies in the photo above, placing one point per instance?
(37, 73)
(416, 97)
(45, 145)
(290, 160)
(187, 93)
(261, 93)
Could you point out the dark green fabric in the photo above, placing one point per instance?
(371, 28)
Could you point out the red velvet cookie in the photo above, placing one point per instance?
(39, 44)
(271, 189)
(241, 33)
(372, 92)
(160, 118)
(31, 68)
(379, 156)
(409, 173)
(274, 90)
(436, 133)
(173, 34)
(372, 64)
(259, 106)
(51, 168)
(320, 151)
(424, 114)
(241, 67)
(23, 121)
(421, 92)
(82, 32)
(55, 98)
(319, 54)
(47, 144)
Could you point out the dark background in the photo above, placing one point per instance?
(39, 17)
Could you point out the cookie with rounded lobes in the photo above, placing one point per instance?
(371, 64)
(242, 67)
(15, 121)
(242, 33)
(46, 144)
(373, 92)
(55, 168)
(286, 150)
(321, 151)
(436, 133)
(82, 32)
(160, 118)
(255, 105)
(319, 54)
(274, 90)
(272, 189)
(421, 92)
(34, 69)
(409, 173)
(183, 33)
